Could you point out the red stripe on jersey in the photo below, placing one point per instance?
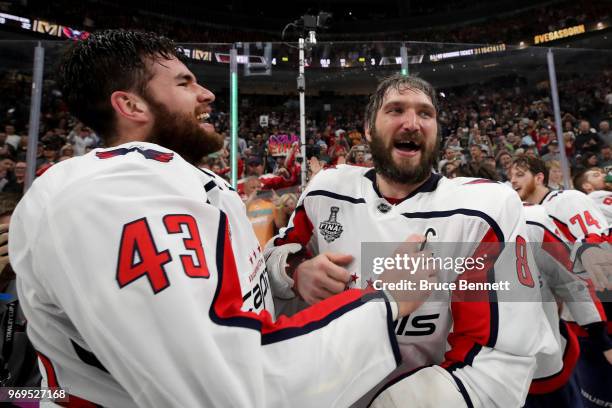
(570, 358)
(300, 232)
(564, 230)
(596, 238)
(557, 249)
(475, 321)
(52, 382)
(76, 402)
(481, 181)
(49, 371)
(228, 302)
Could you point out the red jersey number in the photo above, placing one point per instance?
(522, 266)
(139, 256)
(585, 220)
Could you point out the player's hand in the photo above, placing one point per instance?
(410, 300)
(598, 264)
(608, 355)
(4, 259)
(322, 276)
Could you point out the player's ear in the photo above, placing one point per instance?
(587, 187)
(539, 178)
(130, 106)
(366, 131)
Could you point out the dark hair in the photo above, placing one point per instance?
(581, 177)
(8, 202)
(108, 61)
(398, 82)
(533, 164)
(477, 170)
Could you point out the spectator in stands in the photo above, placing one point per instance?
(476, 154)
(254, 167)
(67, 151)
(514, 140)
(605, 134)
(448, 156)
(589, 159)
(553, 151)
(605, 157)
(586, 139)
(356, 137)
(284, 208)
(356, 156)
(82, 138)
(504, 163)
(16, 183)
(555, 175)
(11, 137)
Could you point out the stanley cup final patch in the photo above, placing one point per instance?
(331, 229)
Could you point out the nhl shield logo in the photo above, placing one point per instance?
(331, 229)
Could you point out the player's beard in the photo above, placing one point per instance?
(528, 190)
(403, 172)
(181, 133)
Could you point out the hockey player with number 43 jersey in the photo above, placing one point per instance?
(456, 353)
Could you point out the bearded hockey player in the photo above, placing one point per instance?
(459, 354)
(140, 275)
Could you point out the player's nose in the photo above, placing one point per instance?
(410, 120)
(205, 96)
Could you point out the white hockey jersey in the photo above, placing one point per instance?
(488, 347)
(577, 218)
(603, 201)
(141, 277)
(558, 284)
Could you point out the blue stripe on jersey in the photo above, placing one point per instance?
(230, 321)
(494, 323)
(395, 380)
(290, 332)
(88, 357)
(463, 211)
(537, 224)
(335, 196)
(472, 353)
(391, 326)
(463, 391)
(210, 185)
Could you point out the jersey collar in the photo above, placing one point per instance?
(427, 187)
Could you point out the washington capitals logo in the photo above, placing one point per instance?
(147, 153)
(331, 229)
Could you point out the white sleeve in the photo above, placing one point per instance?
(166, 321)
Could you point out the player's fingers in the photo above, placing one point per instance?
(3, 238)
(3, 250)
(321, 294)
(332, 286)
(338, 258)
(337, 273)
(598, 278)
(412, 244)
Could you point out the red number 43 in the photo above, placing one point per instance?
(139, 256)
